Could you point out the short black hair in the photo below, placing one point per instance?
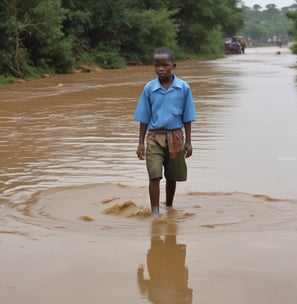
(165, 51)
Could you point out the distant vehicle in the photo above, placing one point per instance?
(235, 45)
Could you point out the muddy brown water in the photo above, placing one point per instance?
(78, 129)
(73, 195)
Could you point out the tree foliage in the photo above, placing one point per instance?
(55, 35)
(31, 36)
(292, 14)
(39, 36)
(207, 21)
(267, 24)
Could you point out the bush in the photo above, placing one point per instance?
(62, 57)
(294, 48)
(108, 59)
(212, 47)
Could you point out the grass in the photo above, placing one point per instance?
(6, 79)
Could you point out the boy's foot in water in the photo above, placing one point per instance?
(155, 212)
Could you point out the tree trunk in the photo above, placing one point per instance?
(17, 54)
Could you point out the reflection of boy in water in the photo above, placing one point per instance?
(168, 274)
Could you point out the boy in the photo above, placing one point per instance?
(164, 108)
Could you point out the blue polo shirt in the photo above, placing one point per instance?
(165, 109)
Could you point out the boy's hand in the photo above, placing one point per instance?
(141, 151)
(188, 150)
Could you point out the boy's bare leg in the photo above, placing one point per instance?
(170, 192)
(154, 191)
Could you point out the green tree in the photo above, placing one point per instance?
(133, 28)
(154, 28)
(50, 35)
(32, 37)
(76, 24)
(292, 15)
(119, 29)
(206, 20)
(264, 24)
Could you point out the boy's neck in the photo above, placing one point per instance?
(166, 82)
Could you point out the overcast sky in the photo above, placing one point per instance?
(263, 3)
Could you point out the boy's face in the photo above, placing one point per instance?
(164, 66)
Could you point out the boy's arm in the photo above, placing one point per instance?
(141, 148)
(188, 141)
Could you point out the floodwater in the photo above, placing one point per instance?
(75, 225)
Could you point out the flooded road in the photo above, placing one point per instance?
(78, 129)
(73, 195)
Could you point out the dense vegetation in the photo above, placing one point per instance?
(269, 24)
(56, 36)
(292, 14)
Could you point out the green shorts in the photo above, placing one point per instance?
(157, 158)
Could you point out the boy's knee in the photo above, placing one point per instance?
(155, 180)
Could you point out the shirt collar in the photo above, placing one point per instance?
(176, 83)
